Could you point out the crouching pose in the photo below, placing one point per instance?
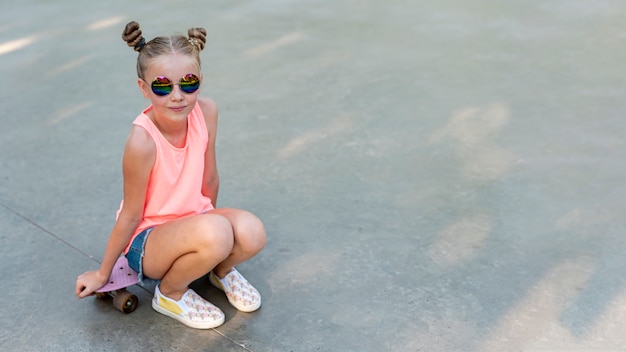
(167, 225)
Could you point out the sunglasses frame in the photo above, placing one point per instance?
(163, 86)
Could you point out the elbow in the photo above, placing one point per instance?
(214, 179)
(130, 219)
(210, 187)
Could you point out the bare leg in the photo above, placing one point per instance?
(183, 250)
(249, 238)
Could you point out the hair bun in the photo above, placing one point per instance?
(132, 36)
(197, 37)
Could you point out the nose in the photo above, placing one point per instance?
(177, 93)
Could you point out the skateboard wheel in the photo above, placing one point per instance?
(125, 301)
(102, 295)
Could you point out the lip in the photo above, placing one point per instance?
(177, 108)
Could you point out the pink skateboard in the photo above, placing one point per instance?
(122, 276)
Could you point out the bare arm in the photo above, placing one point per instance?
(211, 179)
(139, 156)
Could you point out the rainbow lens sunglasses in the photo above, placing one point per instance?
(162, 85)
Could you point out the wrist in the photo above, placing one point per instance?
(102, 275)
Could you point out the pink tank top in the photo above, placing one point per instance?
(175, 184)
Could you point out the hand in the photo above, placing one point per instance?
(88, 282)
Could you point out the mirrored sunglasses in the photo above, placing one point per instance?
(163, 86)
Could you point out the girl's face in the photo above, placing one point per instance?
(176, 105)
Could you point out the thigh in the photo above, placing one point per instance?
(168, 242)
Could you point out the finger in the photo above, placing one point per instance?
(82, 290)
(79, 288)
(85, 293)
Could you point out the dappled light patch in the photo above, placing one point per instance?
(17, 44)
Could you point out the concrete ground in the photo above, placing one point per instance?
(433, 175)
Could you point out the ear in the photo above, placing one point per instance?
(144, 87)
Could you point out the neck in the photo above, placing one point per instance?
(174, 131)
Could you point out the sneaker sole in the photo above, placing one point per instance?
(191, 324)
(245, 309)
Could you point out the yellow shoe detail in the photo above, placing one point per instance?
(169, 305)
(218, 282)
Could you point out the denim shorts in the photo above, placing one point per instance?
(135, 253)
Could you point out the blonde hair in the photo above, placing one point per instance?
(159, 46)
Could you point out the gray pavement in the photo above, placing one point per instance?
(433, 175)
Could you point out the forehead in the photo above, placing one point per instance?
(173, 65)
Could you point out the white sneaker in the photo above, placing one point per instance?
(191, 310)
(239, 292)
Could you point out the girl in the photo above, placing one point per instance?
(167, 225)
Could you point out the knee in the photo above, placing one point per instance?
(260, 237)
(251, 233)
(216, 235)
